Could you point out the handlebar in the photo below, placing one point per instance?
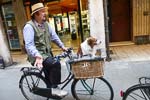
(65, 54)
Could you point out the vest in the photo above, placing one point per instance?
(41, 40)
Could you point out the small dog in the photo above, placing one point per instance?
(88, 47)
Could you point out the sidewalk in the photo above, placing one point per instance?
(131, 53)
(123, 71)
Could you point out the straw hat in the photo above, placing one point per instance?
(36, 7)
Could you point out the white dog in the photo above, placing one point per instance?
(88, 47)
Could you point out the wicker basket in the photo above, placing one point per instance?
(87, 69)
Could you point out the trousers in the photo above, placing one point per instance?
(52, 71)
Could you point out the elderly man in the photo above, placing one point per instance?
(37, 35)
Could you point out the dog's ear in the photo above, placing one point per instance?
(79, 52)
(89, 41)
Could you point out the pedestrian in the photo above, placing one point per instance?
(37, 35)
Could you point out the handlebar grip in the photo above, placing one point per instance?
(69, 50)
(64, 54)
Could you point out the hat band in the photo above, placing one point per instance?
(37, 9)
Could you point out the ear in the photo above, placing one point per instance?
(79, 52)
(89, 41)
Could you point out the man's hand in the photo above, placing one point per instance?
(64, 48)
(38, 62)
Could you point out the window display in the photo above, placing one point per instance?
(10, 26)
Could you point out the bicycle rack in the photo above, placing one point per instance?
(144, 80)
(2, 65)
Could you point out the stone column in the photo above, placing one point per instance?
(97, 25)
(4, 50)
(21, 19)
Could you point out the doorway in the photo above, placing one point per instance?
(67, 21)
(120, 20)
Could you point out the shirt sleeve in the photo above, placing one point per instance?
(54, 37)
(28, 34)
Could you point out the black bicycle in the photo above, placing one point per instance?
(34, 86)
(139, 91)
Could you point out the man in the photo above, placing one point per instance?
(37, 34)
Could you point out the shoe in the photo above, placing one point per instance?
(58, 92)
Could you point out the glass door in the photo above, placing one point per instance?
(10, 26)
(85, 19)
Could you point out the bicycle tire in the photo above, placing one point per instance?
(137, 92)
(102, 89)
(28, 93)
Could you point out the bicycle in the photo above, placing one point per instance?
(139, 91)
(34, 86)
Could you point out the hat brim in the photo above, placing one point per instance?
(38, 10)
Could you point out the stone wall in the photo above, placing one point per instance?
(97, 25)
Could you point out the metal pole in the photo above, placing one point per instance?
(105, 4)
(80, 20)
(68, 22)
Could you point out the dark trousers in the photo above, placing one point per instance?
(52, 71)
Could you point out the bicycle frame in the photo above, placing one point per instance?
(87, 87)
(26, 70)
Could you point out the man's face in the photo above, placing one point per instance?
(41, 15)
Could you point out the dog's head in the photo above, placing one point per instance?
(93, 41)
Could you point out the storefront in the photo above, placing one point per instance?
(71, 26)
(10, 25)
(71, 20)
(65, 20)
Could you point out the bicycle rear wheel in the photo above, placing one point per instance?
(137, 92)
(92, 89)
(29, 82)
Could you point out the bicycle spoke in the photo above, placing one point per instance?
(92, 89)
(37, 82)
(134, 95)
(28, 83)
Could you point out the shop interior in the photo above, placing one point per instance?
(10, 26)
(64, 18)
(70, 19)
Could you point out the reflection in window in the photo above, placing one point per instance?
(10, 26)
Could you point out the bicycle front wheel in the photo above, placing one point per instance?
(92, 89)
(137, 92)
(28, 83)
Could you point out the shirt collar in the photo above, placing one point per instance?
(37, 24)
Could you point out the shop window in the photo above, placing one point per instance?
(10, 26)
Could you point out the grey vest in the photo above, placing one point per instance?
(41, 40)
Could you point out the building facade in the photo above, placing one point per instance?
(128, 20)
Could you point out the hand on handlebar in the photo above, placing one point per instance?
(66, 53)
(64, 48)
